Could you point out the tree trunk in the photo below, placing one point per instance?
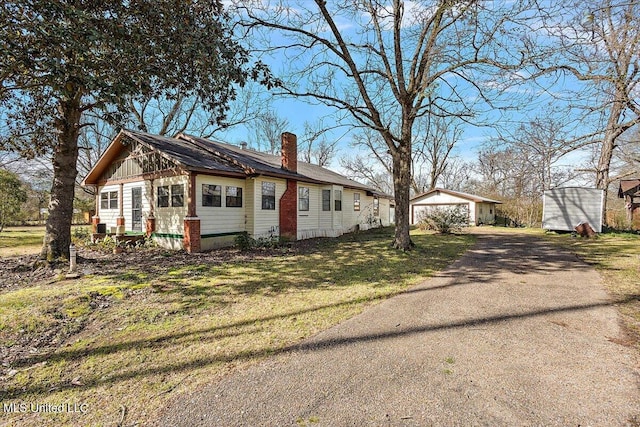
(401, 186)
(606, 153)
(57, 236)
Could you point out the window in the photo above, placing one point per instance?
(338, 200)
(303, 198)
(177, 195)
(326, 200)
(234, 197)
(163, 196)
(109, 200)
(269, 195)
(211, 195)
(173, 195)
(376, 206)
(356, 202)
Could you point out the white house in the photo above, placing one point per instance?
(481, 210)
(195, 194)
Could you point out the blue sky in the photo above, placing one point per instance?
(297, 112)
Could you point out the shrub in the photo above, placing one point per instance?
(244, 242)
(444, 220)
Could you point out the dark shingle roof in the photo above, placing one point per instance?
(203, 155)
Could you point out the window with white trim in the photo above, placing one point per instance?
(109, 200)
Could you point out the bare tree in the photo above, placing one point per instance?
(436, 137)
(177, 113)
(598, 43)
(386, 65)
(268, 128)
(315, 146)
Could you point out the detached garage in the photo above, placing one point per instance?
(481, 210)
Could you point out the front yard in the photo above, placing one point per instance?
(139, 328)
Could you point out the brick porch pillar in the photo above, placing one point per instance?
(95, 220)
(151, 225)
(120, 219)
(191, 238)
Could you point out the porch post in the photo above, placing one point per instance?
(120, 219)
(95, 219)
(191, 238)
(151, 219)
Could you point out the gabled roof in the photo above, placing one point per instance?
(205, 156)
(630, 187)
(471, 197)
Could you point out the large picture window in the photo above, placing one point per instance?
(269, 195)
(338, 200)
(356, 202)
(233, 197)
(303, 199)
(326, 200)
(109, 200)
(211, 195)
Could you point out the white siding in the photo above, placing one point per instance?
(565, 208)
(309, 221)
(385, 212)
(220, 225)
(108, 216)
(267, 221)
(217, 220)
(170, 220)
(337, 215)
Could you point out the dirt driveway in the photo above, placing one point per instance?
(515, 333)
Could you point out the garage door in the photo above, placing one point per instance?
(418, 211)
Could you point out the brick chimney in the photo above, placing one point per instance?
(289, 152)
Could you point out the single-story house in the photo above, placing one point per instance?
(481, 210)
(195, 194)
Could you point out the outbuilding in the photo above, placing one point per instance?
(563, 209)
(481, 210)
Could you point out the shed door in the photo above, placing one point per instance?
(136, 209)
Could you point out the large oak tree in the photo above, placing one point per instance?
(384, 65)
(60, 59)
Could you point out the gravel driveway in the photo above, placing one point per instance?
(515, 333)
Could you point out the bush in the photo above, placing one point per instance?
(443, 220)
(244, 242)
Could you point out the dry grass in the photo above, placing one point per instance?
(135, 339)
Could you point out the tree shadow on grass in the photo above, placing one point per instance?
(309, 345)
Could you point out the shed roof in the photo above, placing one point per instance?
(471, 197)
(206, 156)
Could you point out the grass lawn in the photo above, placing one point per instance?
(21, 240)
(617, 257)
(135, 339)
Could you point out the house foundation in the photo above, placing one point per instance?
(191, 239)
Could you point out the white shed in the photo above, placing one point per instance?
(481, 209)
(564, 208)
